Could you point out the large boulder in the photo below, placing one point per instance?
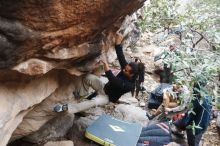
(18, 98)
(43, 111)
(40, 39)
(37, 36)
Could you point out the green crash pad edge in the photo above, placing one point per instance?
(98, 140)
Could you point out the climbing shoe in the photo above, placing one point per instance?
(60, 108)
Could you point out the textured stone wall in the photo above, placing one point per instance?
(39, 35)
(39, 39)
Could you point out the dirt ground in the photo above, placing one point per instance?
(211, 136)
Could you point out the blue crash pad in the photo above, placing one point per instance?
(109, 131)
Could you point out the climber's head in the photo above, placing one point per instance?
(130, 70)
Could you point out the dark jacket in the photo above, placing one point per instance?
(201, 116)
(120, 84)
(203, 112)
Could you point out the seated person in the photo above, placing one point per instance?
(162, 69)
(195, 123)
(172, 98)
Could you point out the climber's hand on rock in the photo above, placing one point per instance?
(105, 64)
(118, 39)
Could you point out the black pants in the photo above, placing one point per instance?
(138, 87)
(193, 140)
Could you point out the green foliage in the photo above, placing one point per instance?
(201, 18)
(160, 14)
(216, 2)
(193, 127)
(199, 22)
(194, 65)
(218, 106)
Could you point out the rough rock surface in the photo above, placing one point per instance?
(37, 39)
(37, 36)
(59, 143)
(18, 97)
(128, 99)
(54, 128)
(131, 113)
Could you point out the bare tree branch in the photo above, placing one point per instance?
(203, 37)
(194, 45)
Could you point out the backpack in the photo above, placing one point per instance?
(155, 135)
